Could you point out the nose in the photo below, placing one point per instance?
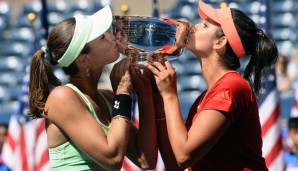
(191, 29)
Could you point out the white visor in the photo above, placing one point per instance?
(87, 29)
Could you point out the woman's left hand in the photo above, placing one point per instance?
(120, 77)
(165, 77)
(142, 79)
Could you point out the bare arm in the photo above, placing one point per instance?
(69, 113)
(142, 149)
(188, 146)
(164, 145)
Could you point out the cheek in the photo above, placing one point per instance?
(201, 42)
(294, 137)
(115, 57)
(111, 55)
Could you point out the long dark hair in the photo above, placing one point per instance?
(42, 78)
(258, 46)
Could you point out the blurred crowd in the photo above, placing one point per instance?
(287, 73)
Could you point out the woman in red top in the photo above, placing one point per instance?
(223, 130)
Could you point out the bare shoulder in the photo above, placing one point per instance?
(61, 93)
(63, 101)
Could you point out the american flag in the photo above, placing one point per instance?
(25, 148)
(294, 112)
(269, 108)
(269, 111)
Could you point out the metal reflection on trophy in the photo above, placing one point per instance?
(141, 36)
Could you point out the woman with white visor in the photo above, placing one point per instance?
(89, 128)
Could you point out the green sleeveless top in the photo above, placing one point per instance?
(67, 156)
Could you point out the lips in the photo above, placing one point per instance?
(120, 47)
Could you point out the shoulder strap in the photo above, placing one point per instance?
(88, 103)
(107, 102)
(81, 94)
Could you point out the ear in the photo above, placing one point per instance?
(83, 59)
(220, 42)
(220, 45)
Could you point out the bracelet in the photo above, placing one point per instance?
(123, 117)
(120, 116)
(122, 106)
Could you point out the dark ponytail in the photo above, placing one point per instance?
(264, 57)
(258, 46)
(41, 80)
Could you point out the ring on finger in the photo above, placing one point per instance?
(186, 40)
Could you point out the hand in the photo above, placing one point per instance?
(182, 34)
(121, 40)
(132, 53)
(120, 77)
(156, 56)
(165, 77)
(142, 79)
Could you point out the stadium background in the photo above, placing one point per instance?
(17, 36)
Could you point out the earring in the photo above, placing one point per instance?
(88, 74)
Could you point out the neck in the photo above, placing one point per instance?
(87, 86)
(212, 71)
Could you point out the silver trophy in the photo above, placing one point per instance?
(147, 38)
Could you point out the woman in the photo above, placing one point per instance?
(86, 128)
(283, 80)
(291, 152)
(223, 130)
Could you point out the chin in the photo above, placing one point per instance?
(188, 46)
(116, 56)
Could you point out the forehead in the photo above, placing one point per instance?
(3, 129)
(293, 129)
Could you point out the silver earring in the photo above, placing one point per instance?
(88, 74)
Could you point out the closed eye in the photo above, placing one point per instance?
(205, 23)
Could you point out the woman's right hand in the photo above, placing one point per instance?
(120, 77)
(182, 34)
(165, 77)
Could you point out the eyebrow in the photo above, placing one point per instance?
(212, 22)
